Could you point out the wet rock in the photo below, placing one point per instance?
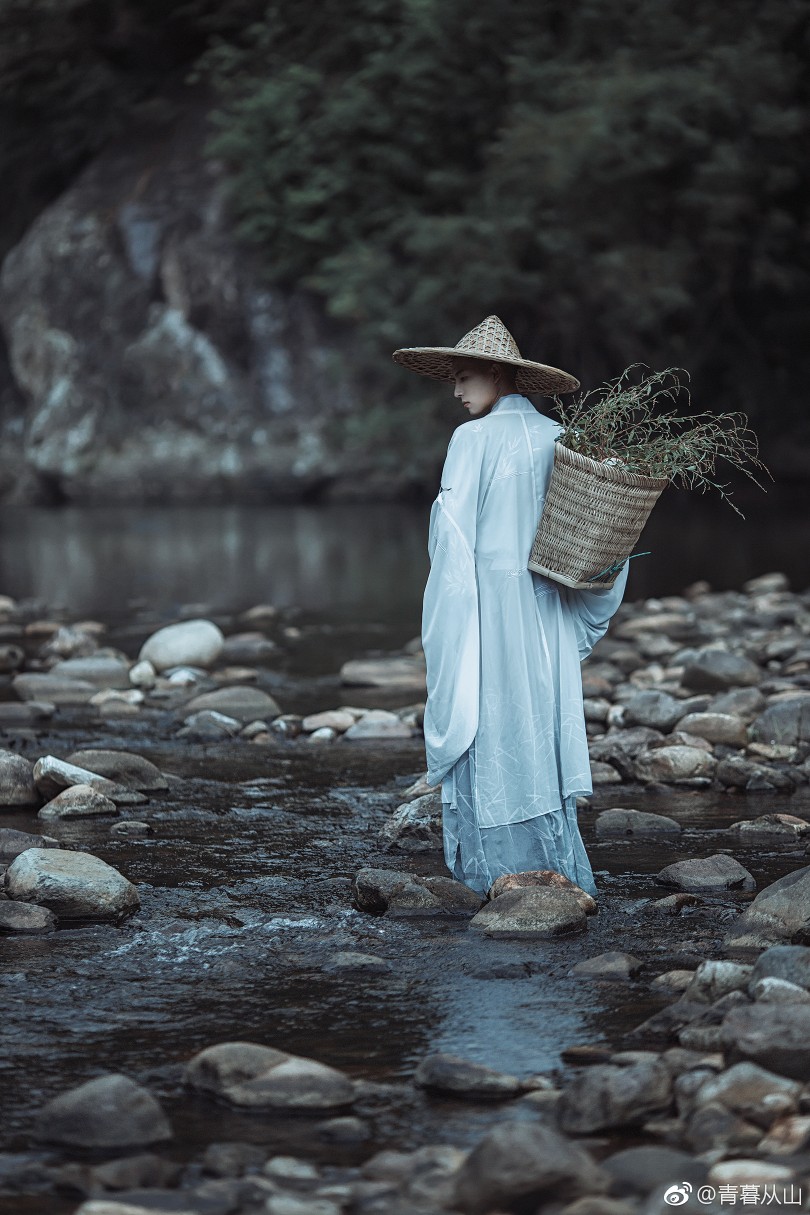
(25, 918)
(142, 675)
(17, 786)
(786, 1136)
(658, 710)
(79, 801)
(771, 829)
(75, 885)
(53, 689)
(715, 978)
(347, 960)
(619, 821)
(717, 872)
(12, 843)
(744, 703)
(381, 890)
(257, 1077)
(530, 912)
(111, 1111)
(233, 1159)
(420, 788)
(611, 965)
(712, 670)
(378, 723)
(779, 913)
(788, 962)
(52, 775)
(713, 1128)
(16, 713)
(144, 1171)
(242, 702)
(292, 1172)
(608, 1095)
(454, 897)
(673, 980)
(777, 1036)
(131, 827)
(604, 774)
(522, 1162)
(332, 719)
(98, 669)
(398, 673)
(543, 878)
(752, 1092)
(325, 734)
(345, 1129)
(208, 724)
(778, 991)
(716, 728)
(673, 904)
(638, 1170)
(785, 722)
(443, 1073)
(673, 764)
(124, 767)
(190, 642)
(739, 773)
(251, 647)
(416, 826)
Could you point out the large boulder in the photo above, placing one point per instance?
(530, 912)
(251, 1076)
(608, 1095)
(450, 1074)
(195, 643)
(79, 801)
(717, 872)
(526, 1164)
(779, 913)
(776, 1036)
(790, 963)
(397, 893)
(74, 885)
(25, 918)
(13, 842)
(111, 1111)
(542, 878)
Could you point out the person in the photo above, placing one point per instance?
(504, 719)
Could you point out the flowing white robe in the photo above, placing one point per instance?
(502, 644)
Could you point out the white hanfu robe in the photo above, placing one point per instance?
(504, 720)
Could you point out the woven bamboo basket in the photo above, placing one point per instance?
(592, 517)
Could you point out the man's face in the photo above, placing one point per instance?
(475, 387)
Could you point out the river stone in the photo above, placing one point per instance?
(713, 670)
(716, 977)
(378, 723)
(771, 829)
(716, 872)
(75, 885)
(656, 709)
(778, 991)
(780, 912)
(788, 962)
(777, 1036)
(333, 719)
(673, 764)
(744, 703)
(523, 1163)
(396, 674)
(13, 842)
(530, 912)
(79, 801)
(416, 826)
(241, 702)
(609, 1095)
(196, 643)
(125, 767)
(604, 774)
(111, 1111)
(52, 775)
(15, 713)
(248, 648)
(736, 772)
(25, 918)
(258, 1077)
(619, 821)
(142, 675)
(544, 878)
(55, 689)
(17, 787)
(638, 1170)
(786, 721)
(131, 827)
(716, 728)
(102, 670)
(381, 890)
(611, 965)
(449, 1074)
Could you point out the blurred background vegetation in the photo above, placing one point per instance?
(620, 182)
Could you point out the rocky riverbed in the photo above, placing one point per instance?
(237, 977)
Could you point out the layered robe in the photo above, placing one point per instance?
(504, 720)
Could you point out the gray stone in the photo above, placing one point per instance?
(656, 709)
(604, 774)
(25, 918)
(188, 643)
(146, 1170)
(619, 821)
(777, 1036)
(739, 773)
(717, 670)
(332, 719)
(111, 1111)
(17, 786)
(100, 670)
(638, 1170)
(715, 978)
(752, 1092)
(52, 775)
(530, 911)
(778, 991)
(258, 1077)
(79, 801)
(75, 885)
(771, 829)
(53, 689)
(608, 1095)
(16, 713)
(521, 1162)
(398, 673)
(611, 965)
(208, 724)
(132, 827)
(788, 962)
(378, 723)
(444, 1073)
(381, 890)
(767, 584)
(786, 722)
(416, 826)
(241, 702)
(779, 913)
(716, 728)
(124, 767)
(12, 843)
(744, 703)
(673, 764)
(716, 872)
(349, 960)
(250, 648)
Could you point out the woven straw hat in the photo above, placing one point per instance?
(492, 342)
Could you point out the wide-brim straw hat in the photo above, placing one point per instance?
(492, 342)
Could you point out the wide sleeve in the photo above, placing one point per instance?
(450, 628)
(592, 611)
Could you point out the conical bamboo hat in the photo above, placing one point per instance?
(492, 342)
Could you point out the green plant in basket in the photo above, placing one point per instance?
(622, 423)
